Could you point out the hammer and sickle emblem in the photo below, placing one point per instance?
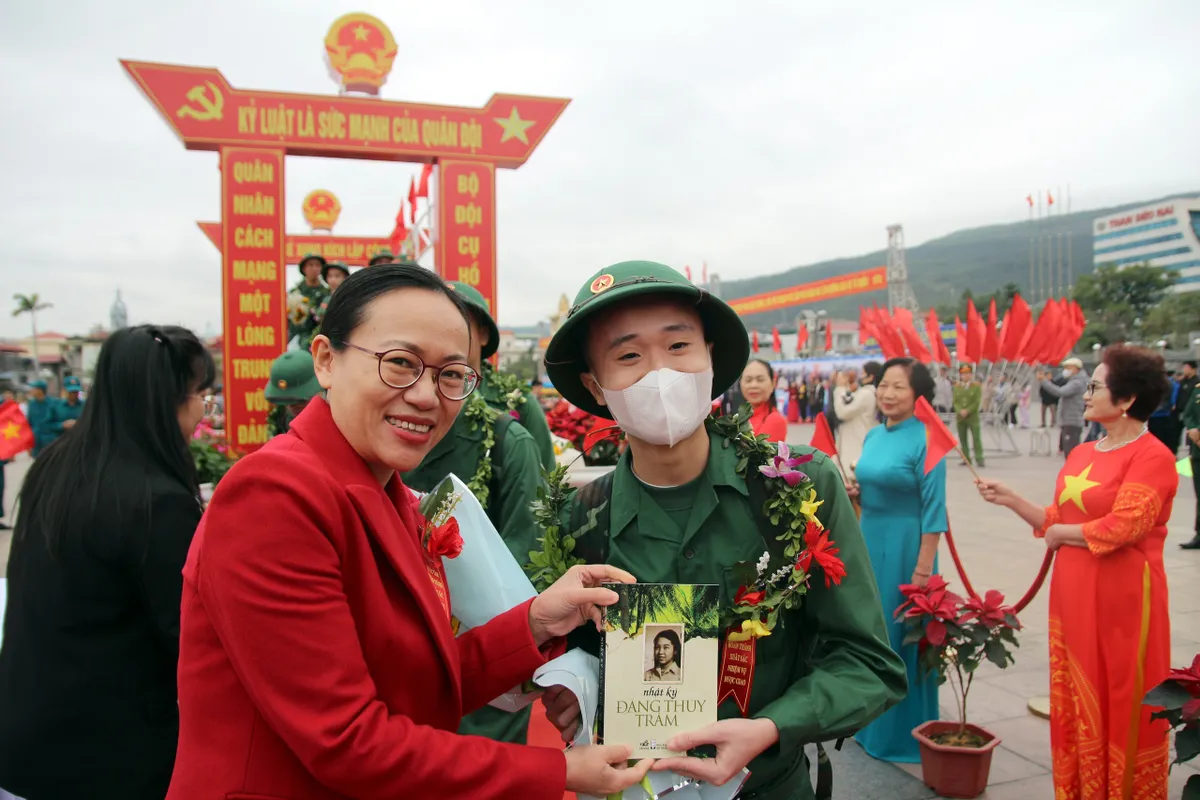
(209, 108)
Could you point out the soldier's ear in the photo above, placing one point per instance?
(590, 383)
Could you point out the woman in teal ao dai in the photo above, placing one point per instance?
(903, 517)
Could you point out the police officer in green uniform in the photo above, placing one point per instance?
(384, 256)
(490, 451)
(68, 411)
(292, 384)
(968, 396)
(644, 346)
(506, 393)
(316, 292)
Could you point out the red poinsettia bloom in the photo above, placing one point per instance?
(932, 599)
(1191, 711)
(1188, 678)
(989, 610)
(446, 540)
(749, 598)
(818, 548)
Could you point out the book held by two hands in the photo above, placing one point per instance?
(658, 664)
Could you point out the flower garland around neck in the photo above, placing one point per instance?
(482, 417)
(779, 579)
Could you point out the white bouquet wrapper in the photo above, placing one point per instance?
(579, 673)
(484, 580)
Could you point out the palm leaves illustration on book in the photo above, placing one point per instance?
(700, 612)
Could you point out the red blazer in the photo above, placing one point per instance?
(315, 659)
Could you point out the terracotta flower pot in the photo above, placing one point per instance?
(950, 770)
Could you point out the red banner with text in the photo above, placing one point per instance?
(353, 251)
(252, 285)
(466, 249)
(867, 280)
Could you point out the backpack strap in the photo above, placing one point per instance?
(589, 522)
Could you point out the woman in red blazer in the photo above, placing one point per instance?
(316, 656)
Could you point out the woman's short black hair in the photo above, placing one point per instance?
(771, 375)
(672, 637)
(873, 369)
(349, 303)
(1138, 373)
(918, 375)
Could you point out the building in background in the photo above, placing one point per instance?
(1165, 235)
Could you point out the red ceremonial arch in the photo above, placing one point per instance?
(254, 131)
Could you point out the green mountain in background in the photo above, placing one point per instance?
(983, 260)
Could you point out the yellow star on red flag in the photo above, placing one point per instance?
(11, 430)
(1074, 486)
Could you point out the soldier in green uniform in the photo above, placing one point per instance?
(292, 384)
(1191, 427)
(644, 346)
(67, 412)
(506, 393)
(968, 396)
(384, 256)
(490, 451)
(303, 320)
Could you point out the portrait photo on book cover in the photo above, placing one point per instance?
(664, 654)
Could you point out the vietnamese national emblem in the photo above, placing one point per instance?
(360, 50)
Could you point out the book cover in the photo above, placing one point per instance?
(658, 664)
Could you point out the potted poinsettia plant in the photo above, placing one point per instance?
(953, 637)
(1179, 698)
(211, 456)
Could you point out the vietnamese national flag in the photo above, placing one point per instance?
(423, 185)
(938, 439)
(15, 434)
(991, 343)
(828, 337)
(776, 342)
(754, 342)
(823, 437)
(801, 338)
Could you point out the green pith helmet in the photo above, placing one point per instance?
(483, 312)
(293, 379)
(609, 287)
(309, 256)
(334, 265)
(382, 254)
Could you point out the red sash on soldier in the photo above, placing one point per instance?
(737, 672)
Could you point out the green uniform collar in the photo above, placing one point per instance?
(628, 492)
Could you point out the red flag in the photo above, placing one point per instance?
(975, 334)
(801, 338)
(823, 437)
(1016, 327)
(423, 186)
(960, 339)
(908, 331)
(424, 238)
(754, 342)
(15, 434)
(704, 272)
(1029, 199)
(776, 343)
(399, 230)
(865, 327)
(1049, 198)
(933, 330)
(991, 343)
(890, 341)
(412, 200)
(938, 439)
(829, 337)
(687, 271)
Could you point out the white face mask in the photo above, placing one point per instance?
(664, 407)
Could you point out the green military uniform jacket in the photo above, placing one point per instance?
(531, 417)
(968, 398)
(516, 476)
(825, 672)
(317, 295)
(1191, 421)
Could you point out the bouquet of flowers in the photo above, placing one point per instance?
(298, 308)
(598, 439)
(210, 453)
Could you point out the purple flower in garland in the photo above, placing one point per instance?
(785, 467)
(515, 415)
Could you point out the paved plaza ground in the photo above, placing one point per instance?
(999, 553)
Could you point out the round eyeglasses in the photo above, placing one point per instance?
(400, 369)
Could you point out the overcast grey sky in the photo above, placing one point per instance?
(754, 135)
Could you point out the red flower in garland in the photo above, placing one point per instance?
(749, 598)
(446, 540)
(818, 548)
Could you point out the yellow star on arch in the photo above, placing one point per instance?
(1075, 486)
(11, 430)
(514, 127)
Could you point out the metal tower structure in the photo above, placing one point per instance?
(900, 294)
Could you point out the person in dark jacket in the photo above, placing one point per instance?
(41, 412)
(88, 700)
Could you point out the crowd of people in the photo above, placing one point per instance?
(292, 637)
